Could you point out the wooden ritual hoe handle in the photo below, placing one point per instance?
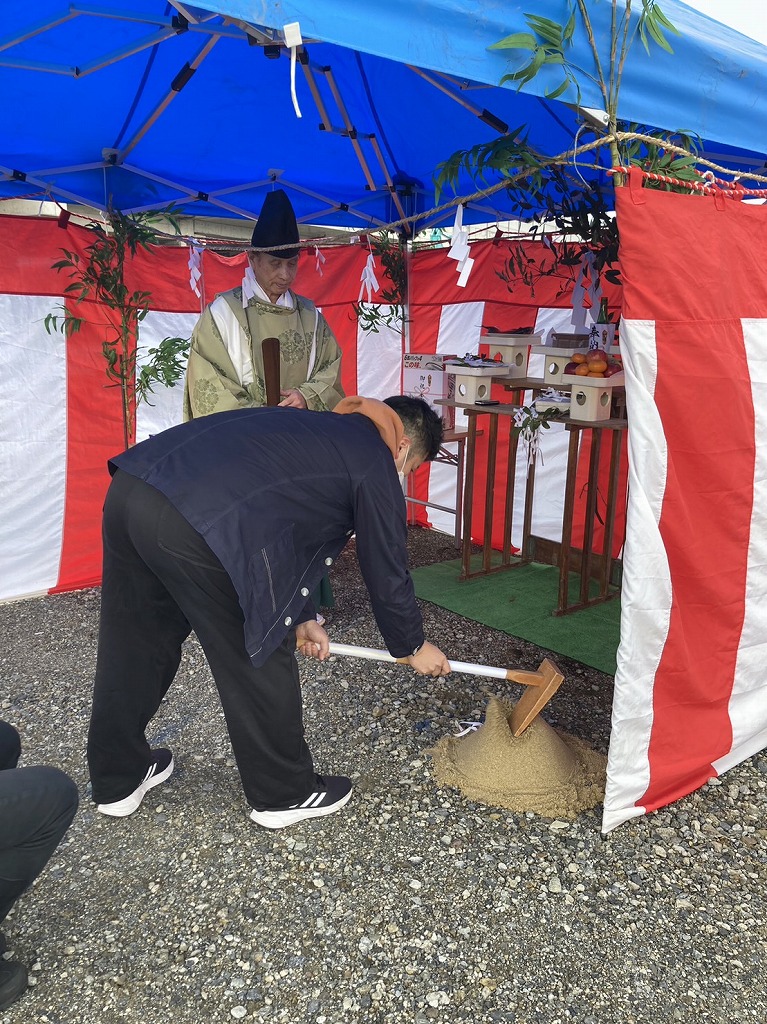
(270, 348)
(540, 686)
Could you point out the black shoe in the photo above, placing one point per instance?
(13, 982)
(159, 770)
(330, 794)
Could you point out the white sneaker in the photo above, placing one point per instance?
(159, 770)
(331, 793)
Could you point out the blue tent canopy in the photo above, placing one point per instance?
(150, 102)
(713, 84)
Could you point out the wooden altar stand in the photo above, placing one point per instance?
(590, 566)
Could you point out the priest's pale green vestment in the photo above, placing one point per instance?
(226, 369)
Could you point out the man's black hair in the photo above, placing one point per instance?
(422, 424)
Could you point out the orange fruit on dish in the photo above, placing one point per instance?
(582, 370)
(595, 373)
(597, 365)
(579, 357)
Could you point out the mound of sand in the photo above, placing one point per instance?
(544, 770)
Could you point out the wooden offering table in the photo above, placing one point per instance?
(589, 565)
(605, 589)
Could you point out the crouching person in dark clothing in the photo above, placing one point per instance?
(37, 806)
(226, 525)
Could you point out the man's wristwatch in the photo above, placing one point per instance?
(416, 650)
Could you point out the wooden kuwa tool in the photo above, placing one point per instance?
(270, 349)
(540, 686)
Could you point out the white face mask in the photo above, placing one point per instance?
(401, 472)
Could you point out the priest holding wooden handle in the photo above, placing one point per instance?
(226, 361)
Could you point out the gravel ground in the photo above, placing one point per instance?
(412, 904)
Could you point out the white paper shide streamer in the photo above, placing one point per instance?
(319, 260)
(195, 269)
(587, 292)
(459, 250)
(368, 280)
(292, 33)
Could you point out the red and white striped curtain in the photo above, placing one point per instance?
(60, 422)
(690, 688)
(690, 695)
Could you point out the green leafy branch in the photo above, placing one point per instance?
(393, 257)
(548, 43)
(505, 157)
(574, 220)
(546, 50)
(98, 276)
(165, 366)
(663, 156)
(528, 422)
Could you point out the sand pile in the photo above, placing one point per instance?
(544, 770)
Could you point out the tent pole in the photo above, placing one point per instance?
(484, 115)
(325, 123)
(351, 130)
(177, 85)
(387, 177)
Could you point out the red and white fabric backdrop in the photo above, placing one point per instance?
(59, 422)
(690, 688)
(690, 697)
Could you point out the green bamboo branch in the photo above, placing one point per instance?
(98, 277)
(600, 77)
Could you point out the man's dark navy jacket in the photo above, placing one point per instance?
(276, 493)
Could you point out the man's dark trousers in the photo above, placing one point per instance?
(160, 581)
(37, 806)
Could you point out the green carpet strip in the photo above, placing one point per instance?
(520, 602)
